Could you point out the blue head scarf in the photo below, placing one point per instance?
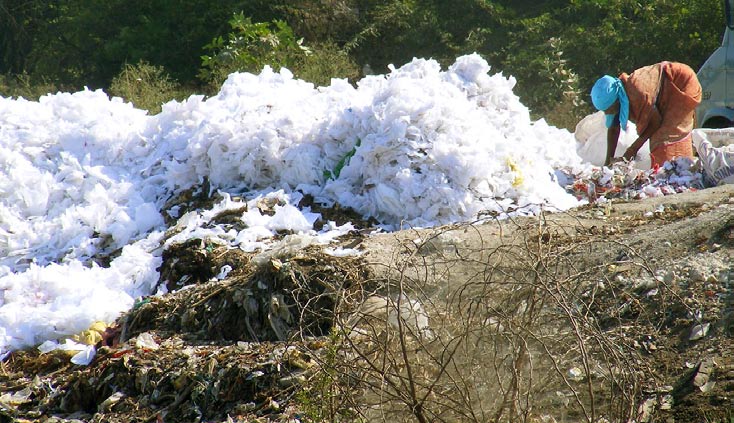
(605, 92)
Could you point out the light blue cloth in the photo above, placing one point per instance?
(605, 92)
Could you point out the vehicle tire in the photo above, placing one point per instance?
(718, 123)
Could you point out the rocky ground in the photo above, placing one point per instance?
(619, 311)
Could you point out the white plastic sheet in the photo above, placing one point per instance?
(715, 149)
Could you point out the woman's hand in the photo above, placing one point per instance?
(629, 155)
(613, 160)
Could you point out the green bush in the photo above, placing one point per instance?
(325, 62)
(146, 86)
(547, 85)
(249, 47)
(327, 397)
(22, 85)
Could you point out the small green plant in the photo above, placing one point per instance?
(323, 399)
(145, 85)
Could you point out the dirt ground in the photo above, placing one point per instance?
(643, 289)
(668, 265)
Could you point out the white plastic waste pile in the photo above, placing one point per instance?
(84, 175)
(418, 146)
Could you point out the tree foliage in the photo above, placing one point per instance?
(20, 22)
(251, 46)
(555, 48)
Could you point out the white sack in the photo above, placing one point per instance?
(715, 148)
(591, 141)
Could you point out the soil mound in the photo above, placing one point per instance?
(616, 311)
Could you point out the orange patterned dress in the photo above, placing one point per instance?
(664, 95)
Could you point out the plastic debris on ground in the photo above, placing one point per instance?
(623, 180)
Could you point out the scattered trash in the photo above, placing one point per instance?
(707, 387)
(625, 181)
(145, 340)
(106, 405)
(80, 354)
(667, 402)
(703, 373)
(85, 356)
(575, 374)
(93, 335)
(16, 398)
(646, 410)
(699, 331)
(223, 272)
(401, 313)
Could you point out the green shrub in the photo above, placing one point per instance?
(326, 61)
(22, 85)
(547, 85)
(146, 86)
(327, 396)
(249, 47)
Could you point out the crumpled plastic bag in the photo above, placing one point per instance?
(93, 335)
(81, 347)
(80, 354)
(715, 149)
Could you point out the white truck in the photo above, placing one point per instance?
(717, 80)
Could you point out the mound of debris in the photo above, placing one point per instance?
(236, 347)
(620, 309)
